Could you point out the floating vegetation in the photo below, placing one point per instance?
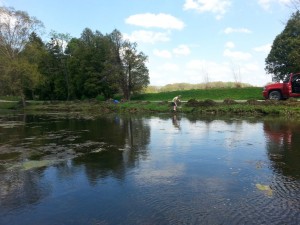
(33, 164)
(265, 188)
(9, 155)
(36, 155)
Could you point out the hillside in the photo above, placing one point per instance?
(246, 93)
(187, 86)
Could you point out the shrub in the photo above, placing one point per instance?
(208, 102)
(229, 101)
(192, 103)
(253, 102)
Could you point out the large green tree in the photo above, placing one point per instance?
(17, 73)
(284, 56)
(65, 68)
(86, 63)
(55, 69)
(135, 76)
(94, 65)
(33, 53)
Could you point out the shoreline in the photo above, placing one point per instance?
(206, 107)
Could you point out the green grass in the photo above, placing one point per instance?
(10, 98)
(86, 109)
(202, 94)
(8, 105)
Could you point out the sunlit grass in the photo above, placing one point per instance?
(202, 94)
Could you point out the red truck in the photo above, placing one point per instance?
(289, 87)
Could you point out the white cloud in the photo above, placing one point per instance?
(250, 67)
(165, 73)
(182, 50)
(169, 67)
(205, 66)
(229, 44)
(264, 48)
(147, 36)
(197, 70)
(237, 55)
(162, 53)
(230, 30)
(201, 70)
(266, 4)
(150, 20)
(218, 7)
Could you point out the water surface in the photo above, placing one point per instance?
(166, 169)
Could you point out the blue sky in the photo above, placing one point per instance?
(190, 41)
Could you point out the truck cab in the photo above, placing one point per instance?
(289, 87)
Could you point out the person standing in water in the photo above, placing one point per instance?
(175, 102)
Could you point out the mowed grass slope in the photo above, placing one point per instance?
(246, 93)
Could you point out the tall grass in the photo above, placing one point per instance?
(187, 86)
(246, 93)
(10, 98)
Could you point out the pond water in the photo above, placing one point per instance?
(163, 169)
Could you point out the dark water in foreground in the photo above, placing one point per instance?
(148, 170)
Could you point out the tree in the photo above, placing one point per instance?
(17, 73)
(295, 4)
(236, 72)
(89, 64)
(95, 64)
(34, 52)
(284, 56)
(57, 47)
(113, 65)
(135, 76)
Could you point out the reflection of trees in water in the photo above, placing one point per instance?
(11, 128)
(109, 146)
(282, 143)
(126, 141)
(22, 188)
(102, 164)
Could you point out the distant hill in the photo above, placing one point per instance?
(233, 93)
(187, 86)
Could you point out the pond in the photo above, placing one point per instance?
(161, 169)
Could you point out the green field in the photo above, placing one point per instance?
(247, 93)
(214, 101)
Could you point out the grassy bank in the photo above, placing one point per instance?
(207, 107)
(207, 102)
(203, 94)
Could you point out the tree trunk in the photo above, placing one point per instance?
(23, 100)
(129, 83)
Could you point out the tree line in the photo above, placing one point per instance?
(66, 68)
(284, 57)
(96, 64)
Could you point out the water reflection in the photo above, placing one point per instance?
(19, 189)
(176, 121)
(166, 169)
(283, 141)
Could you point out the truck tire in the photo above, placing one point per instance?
(275, 95)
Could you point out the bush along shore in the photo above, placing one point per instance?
(290, 107)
